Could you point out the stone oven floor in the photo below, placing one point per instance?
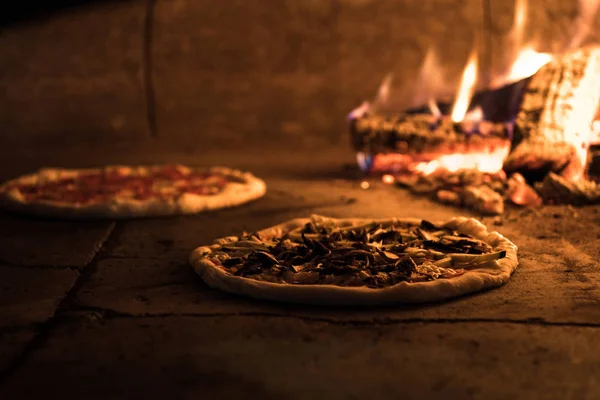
(112, 309)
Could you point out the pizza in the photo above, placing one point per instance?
(129, 191)
(329, 261)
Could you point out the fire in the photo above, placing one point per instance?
(465, 90)
(430, 80)
(585, 24)
(526, 64)
(434, 109)
(485, 161)
(518, 29)
(525, 60)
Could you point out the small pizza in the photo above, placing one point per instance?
(321, 260)
(129, 191)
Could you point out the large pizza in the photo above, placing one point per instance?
(322, 260)
(129, 191)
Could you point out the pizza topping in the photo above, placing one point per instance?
(371, 255)
(168, 181)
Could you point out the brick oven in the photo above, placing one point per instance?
(112, 309)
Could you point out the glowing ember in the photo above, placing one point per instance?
(485, 161)
(465, 90)
(388, 179)
(364, 185)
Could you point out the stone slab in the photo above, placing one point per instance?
(75, 76)
(31, 296)
(52, 243)
(258, 357)
(174, 238)
(557, 280)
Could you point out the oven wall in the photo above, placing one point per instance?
(236, 71)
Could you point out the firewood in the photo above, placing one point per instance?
(520, 193)
(483, 199)
(556, 114)
(558, 190)
(417, 133)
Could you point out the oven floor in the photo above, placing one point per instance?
(112, 309)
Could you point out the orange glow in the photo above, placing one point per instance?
(465, 90)
(526, 63)
(585, 22)
(519, 21)
(388, 179)
(430, 82)
(595, 139)
(485, 161)
(525, 60)
(364, 185)
(383, 93)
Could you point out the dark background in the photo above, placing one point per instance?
(21, 12)
(204, 73)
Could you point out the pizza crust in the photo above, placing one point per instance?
(489, 275)
(232, 195)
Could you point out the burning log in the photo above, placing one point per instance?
(419, 134)
(553, 127)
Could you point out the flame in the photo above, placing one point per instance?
(525, 61)
(465, 90)
(526, 64)
(475, 115)
(581, 135)
(485, 161)
(434, 109)
(383, 93)
(360, 111)
(595, 137)
(585, 25)
(519, 22)
(430, 80)
(472, 120)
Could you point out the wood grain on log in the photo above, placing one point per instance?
(554, 122)
(417, 133)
